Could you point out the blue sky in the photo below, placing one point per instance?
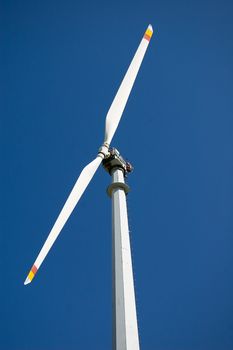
(62, 63)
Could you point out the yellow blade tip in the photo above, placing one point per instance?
(150, 27)
(31, 275)
(27, 281)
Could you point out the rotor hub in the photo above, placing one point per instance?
(104, 150)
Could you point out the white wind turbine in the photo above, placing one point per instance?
(125, 330)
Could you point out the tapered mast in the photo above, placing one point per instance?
(125, 329)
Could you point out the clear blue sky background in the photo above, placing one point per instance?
(62, 62)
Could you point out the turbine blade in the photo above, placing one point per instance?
(76, 193)
(117, 107)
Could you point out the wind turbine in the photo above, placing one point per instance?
(125, 330)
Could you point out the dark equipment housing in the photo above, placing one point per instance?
(115, 160)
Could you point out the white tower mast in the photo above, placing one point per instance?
(125, 329)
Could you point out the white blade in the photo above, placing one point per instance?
(76, 193)
(119, 102)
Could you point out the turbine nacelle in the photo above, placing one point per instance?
(115, 160)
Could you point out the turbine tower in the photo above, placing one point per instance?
(125, 330)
